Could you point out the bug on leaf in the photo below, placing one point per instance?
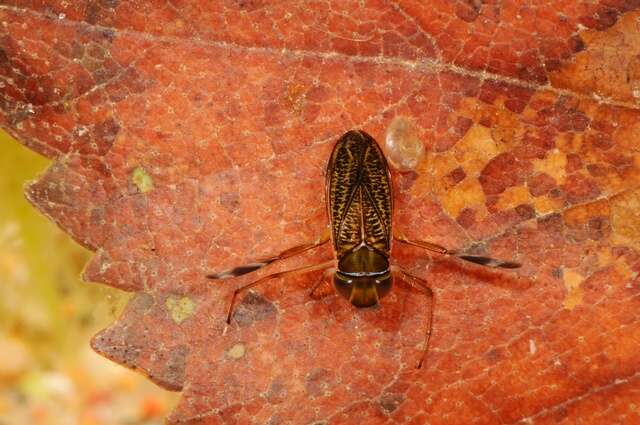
(360, 207)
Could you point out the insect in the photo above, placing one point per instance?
(359, 200)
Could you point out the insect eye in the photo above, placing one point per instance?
(383, 285)
(343, 285)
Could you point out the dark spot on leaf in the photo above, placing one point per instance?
(317, 380)
(4, 59)
(98, 10)
(540, 184)
(579, 188)
(462, 125)
(552, 65)
(456, 176)
(552, 223)
(598, 227)
(560, 414)
(390, 402)
(275, 420)
(130, 82)
(249, 4)
(104, 135)
(109, 35)
(277, 392)
(600, 140)
(494, 355)
(77, 50)
(565, 115)
(142, 302)
(574, 162)
(526, 211)
(605, 18)
(597, 170)
(172, 377)
(536, 144)
(576, 44)
(466, 218)
(468, 10)
(406, 180)
(502, 172)
(230, 201)
(253, 308)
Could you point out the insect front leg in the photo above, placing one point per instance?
(423, 286)
(477, 259)
(293, 272)
(323, 276)
(258, 264)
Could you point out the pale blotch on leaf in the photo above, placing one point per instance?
(236, 352)
(572, 282)
(633, 77)
(625, 217)
(180, 309)
(403, 148)
(142, 180)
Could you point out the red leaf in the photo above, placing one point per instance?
(190, 137)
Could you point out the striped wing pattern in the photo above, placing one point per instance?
(359, 193)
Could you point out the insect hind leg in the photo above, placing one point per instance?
(423, 286)
(476, 259)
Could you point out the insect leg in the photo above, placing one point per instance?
(299, 270)
(422, 285)
(477, 259)
(256, 265)
(319, 282)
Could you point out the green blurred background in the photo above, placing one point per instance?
(48, 373)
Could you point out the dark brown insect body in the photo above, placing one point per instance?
(360, 208)
(360, 204)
